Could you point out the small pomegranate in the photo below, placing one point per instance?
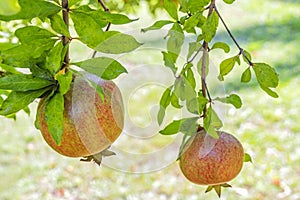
(213, 162)
(91, 124)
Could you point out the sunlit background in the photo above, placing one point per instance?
(145, 167)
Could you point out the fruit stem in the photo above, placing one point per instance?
(204, 61)
(66, 40)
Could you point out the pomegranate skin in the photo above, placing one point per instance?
(209, 161)
(90, 123)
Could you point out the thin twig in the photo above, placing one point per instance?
(233, 39)
(196, 54)
(66, 40)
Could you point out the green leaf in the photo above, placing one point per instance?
(266, 77)
(229, 1)
(104, 67)
(89, 31)
(157, 25)
(28, 34)
(212, 122)
(233, 99)
(170, 60)
(32, 9)
(19, 100)
(193, 47)
(210, 26)
(192, 22)
(190, 78)
(187, 126)
(9, 7)
(41, 73)
(246, 76)
(58, 25)
(117, 43)
(175, 101)
(226, 66)
(175, 40)
(196, 105)
(196, 5)
(247, 158)
(179, 86)
(98, 88)
(23, 82)
(64, 81)
(73, 2)
(164, 102)
(8, 68)
(54, 58)
(114, 18)
(171, 8)
(54, 117)
(269, 92)
(171, 128)
(26, 55)
(221, 45)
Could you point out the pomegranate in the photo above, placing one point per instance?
(91, 124)
(209, 161)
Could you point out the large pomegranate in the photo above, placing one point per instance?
(91, 124)
(209, 161)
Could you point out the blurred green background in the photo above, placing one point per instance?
(268, 128)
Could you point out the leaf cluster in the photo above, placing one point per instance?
(42, 54)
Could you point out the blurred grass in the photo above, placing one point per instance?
(268, 128)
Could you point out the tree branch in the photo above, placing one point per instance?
(233, 39)
(66, 40)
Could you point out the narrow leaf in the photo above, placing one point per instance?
(32, 9)
(64, 81)
(266, 77)
(164, 102)
(28, 34)
(210, 122)
(117, 43)
(233, 99)
(229, 1)
(23, 82)
(175, 40)
(171, 8)
(54, 117)
(170, 60)
(247, 158)
(171, 128)
(55, 58)
(89, 31)
(227, 65)
(104, 67)
(19, 100)
(210, 26)
(157, 25)
(58, 25)
(221, 45)
(175, 101)
(246, 76)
